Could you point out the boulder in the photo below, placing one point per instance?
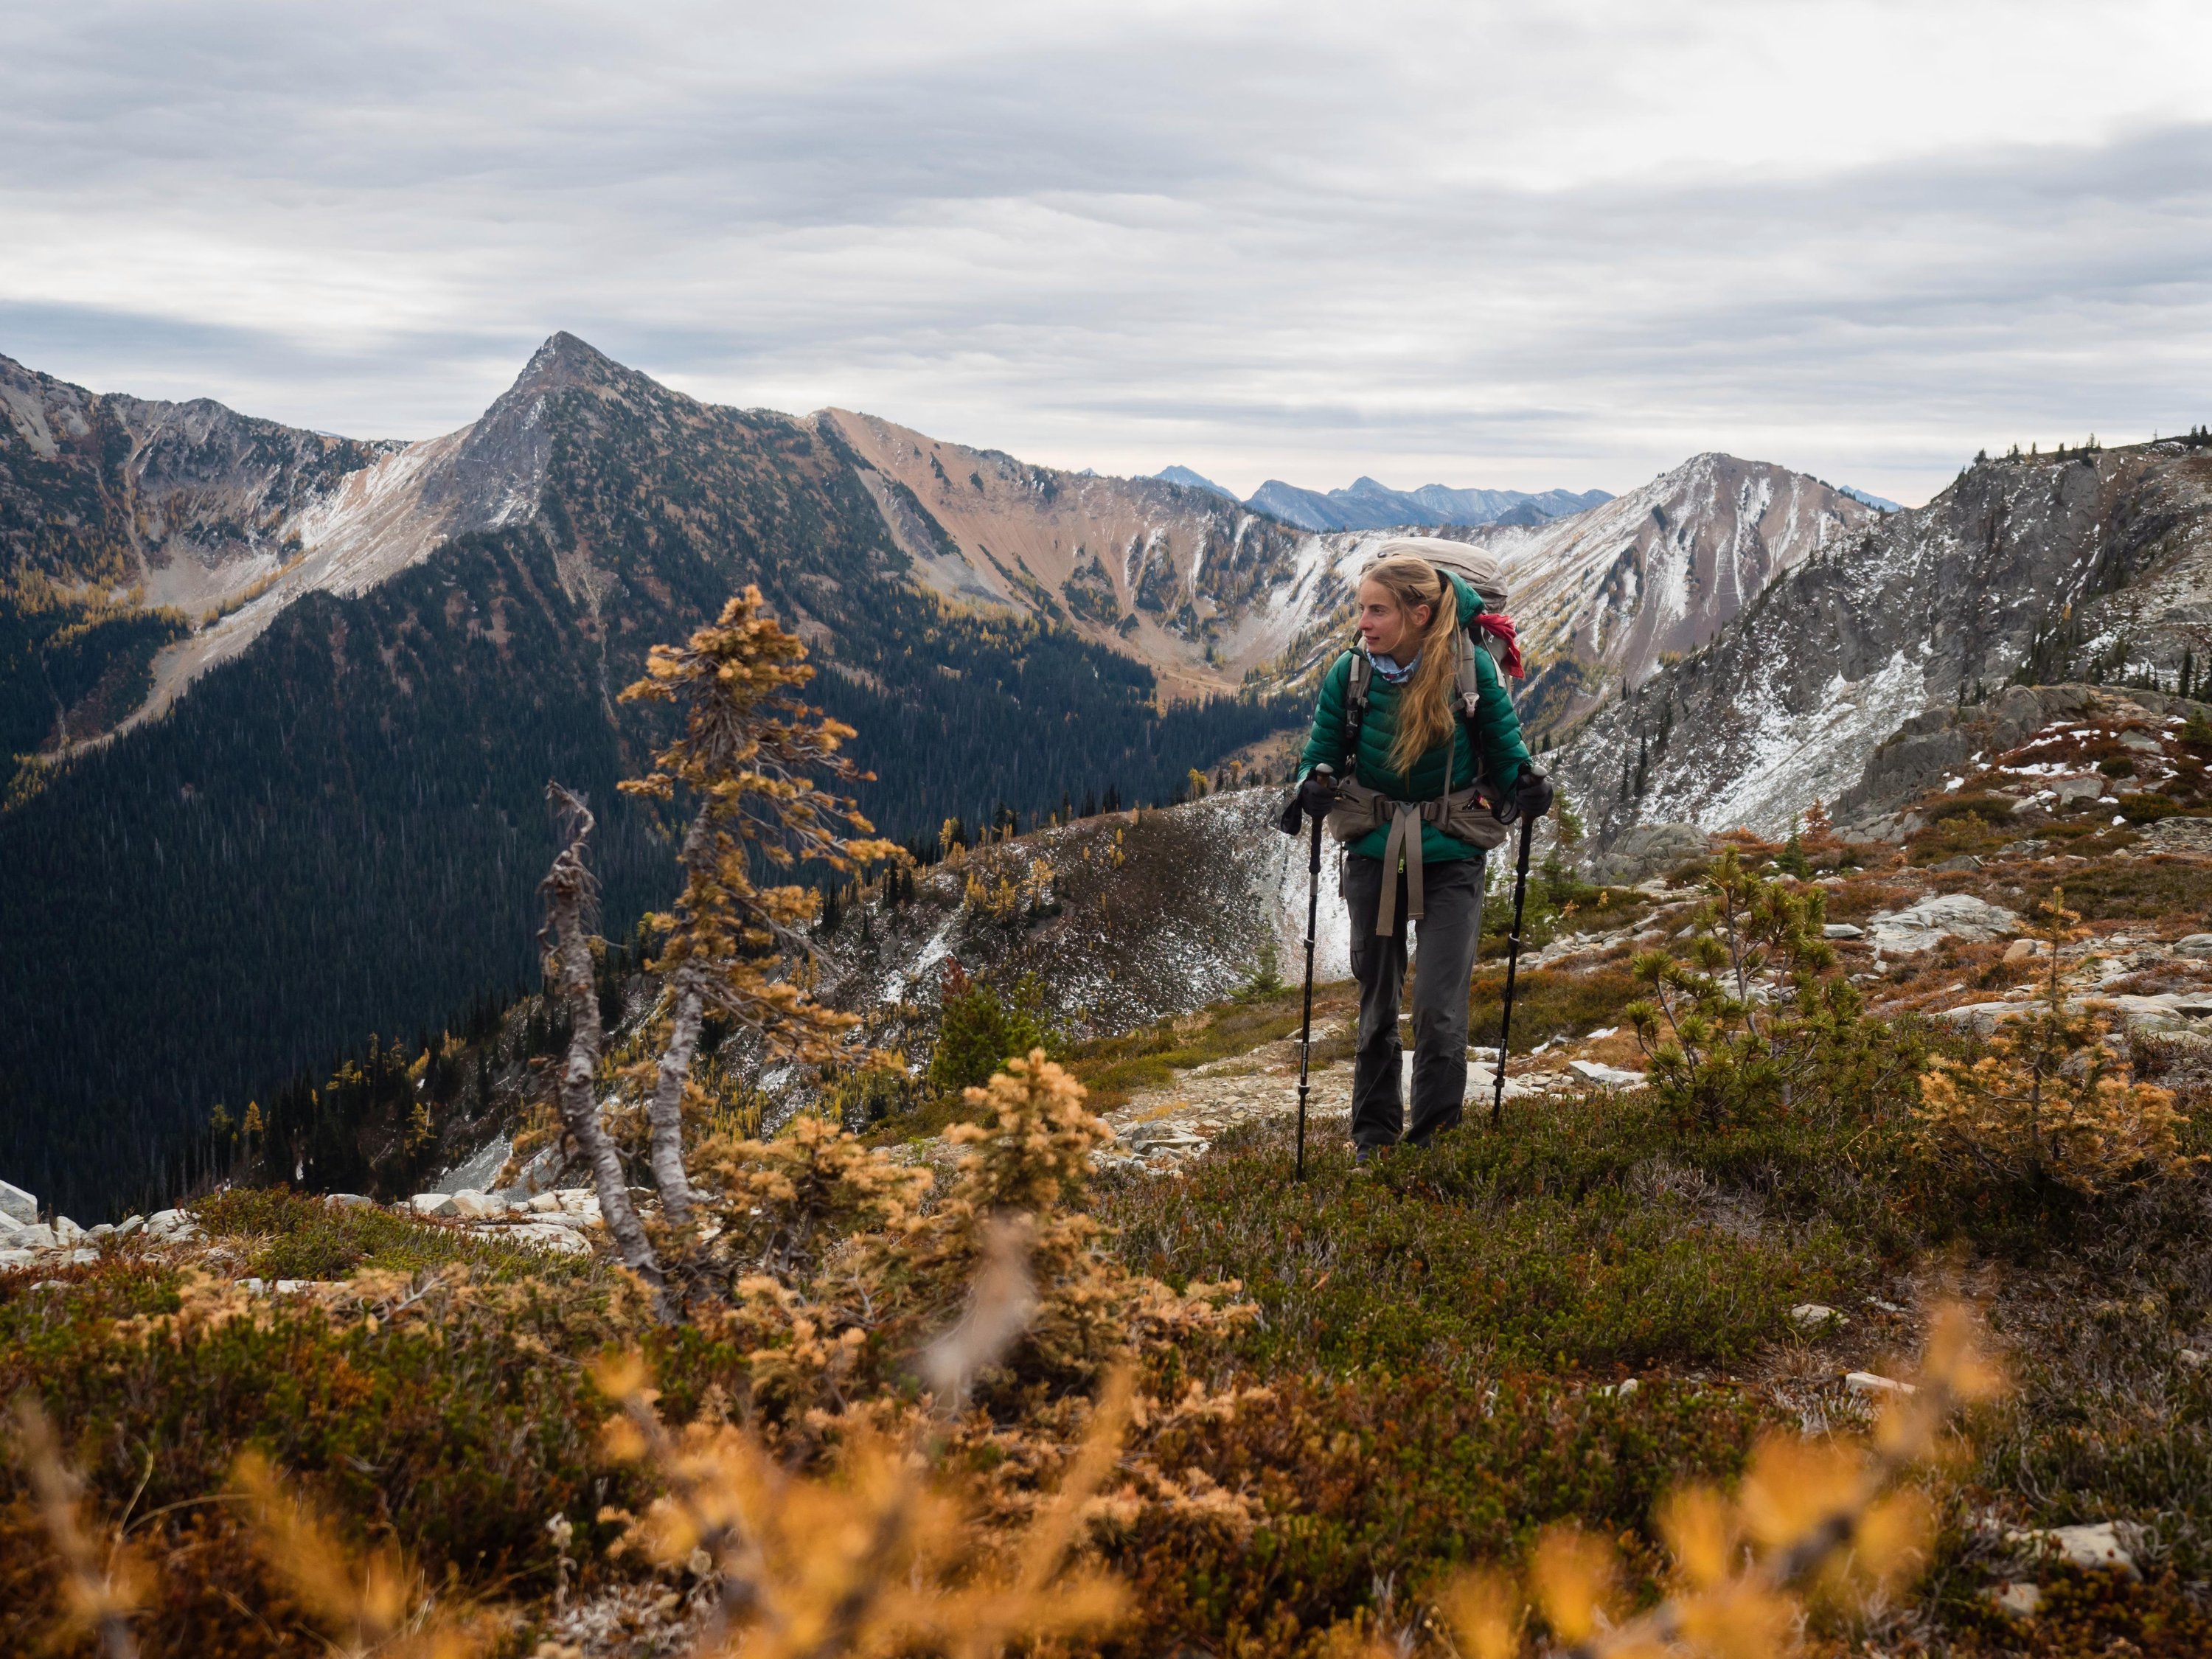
(2197, 946)
(1648, 849)
(2097, 1544)
(36, 1236)
(129, 1224)
(470, 1205)
(1810, 1316)
(348, 1202)
(2087, 786)
(67, 1231)
(434, 1203)
(17, 1206)
(1842, 930)
(15, 1258)
(1956, 915)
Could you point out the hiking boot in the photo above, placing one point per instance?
(1366, 1159)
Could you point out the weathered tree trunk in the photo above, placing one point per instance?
(667, 1112)
(569, 889)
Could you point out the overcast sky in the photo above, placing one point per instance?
(1524, 246)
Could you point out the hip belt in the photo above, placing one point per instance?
(1464, 815)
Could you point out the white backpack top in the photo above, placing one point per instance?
(1478, 566)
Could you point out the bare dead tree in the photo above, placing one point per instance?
(571, 894)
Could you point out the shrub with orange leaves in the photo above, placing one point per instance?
(2052, 1102)
(1813, 1522)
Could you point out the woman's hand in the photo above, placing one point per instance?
(1532, 792)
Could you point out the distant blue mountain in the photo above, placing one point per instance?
(1878, 503)
(1368, 504)
(1183, 474)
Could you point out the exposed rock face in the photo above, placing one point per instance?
(1648, 850)
(1602, 597)
(190, 500)
(1937, 742)
(1162, 570)
(2018, 565)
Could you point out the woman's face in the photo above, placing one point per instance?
(1384, 625)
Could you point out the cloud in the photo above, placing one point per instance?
(1477, 244)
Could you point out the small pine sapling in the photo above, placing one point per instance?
(2052, 1102)
(1758, 1011)
(748, 754)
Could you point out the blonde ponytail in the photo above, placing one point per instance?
(1425, 704)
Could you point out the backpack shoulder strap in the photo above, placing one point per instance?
(1355, 708)
(1468, 691)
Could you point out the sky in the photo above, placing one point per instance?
(1514, 246)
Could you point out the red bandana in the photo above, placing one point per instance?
(1497, 623)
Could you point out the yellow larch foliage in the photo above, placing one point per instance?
(2051, 1101)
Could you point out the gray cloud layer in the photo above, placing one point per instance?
(1453, 242)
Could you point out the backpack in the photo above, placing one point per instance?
(1478, 566)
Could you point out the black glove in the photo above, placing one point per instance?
(1316, 793)
(1533, 792)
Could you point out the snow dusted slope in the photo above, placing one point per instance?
(2059, 568)
(1601, 597)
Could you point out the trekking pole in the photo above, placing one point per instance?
(1313, 918)
(1512, 961)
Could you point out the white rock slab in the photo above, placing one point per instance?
(1872, 1383)
(1918, 927)
(17, 1206)
(1613, 1076)
(2096, 1544)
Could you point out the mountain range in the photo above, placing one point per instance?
(1368, 504)
(287, 704)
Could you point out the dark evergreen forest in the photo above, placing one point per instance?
(341, 834)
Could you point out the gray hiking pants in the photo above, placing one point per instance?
(1443, 967)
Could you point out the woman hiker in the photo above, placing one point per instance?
(1425, 795)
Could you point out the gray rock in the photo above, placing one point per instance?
(129, 1224)
(2177, 835)
(472, 1206)
(1964, 861)
(1873, 1384)
(15, 1258)
(348, 1202)
(1613, 1076)
(2022, 1600)
(17, 1206)
(67, 1231)
(1957, 916)
(1646, 850)
(548, 1235)
(1811, 1316)
(36, 1236)
(1842, 930)
(2196, 946)
(101, 1229)
(2097, 1544)
(2086, 786)
(433, 1203)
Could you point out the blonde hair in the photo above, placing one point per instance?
(1425, 706)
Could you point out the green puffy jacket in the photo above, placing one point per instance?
(1497, 727)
